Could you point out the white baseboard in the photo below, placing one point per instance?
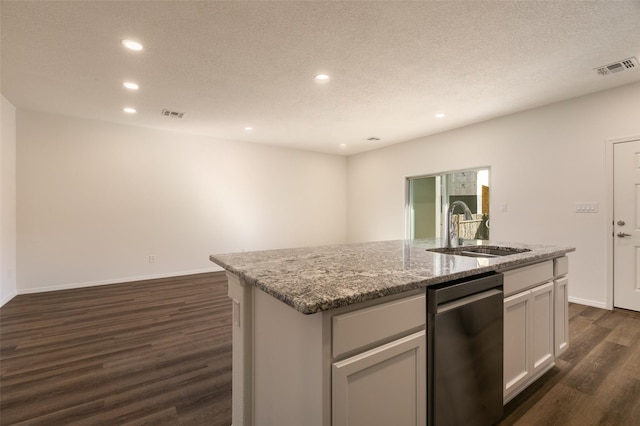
(8, 297)
(587, 302)
(116, 281)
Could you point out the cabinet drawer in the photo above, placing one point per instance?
(560, 266)
(520, 279)
(367, 326)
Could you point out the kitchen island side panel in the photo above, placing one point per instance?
(288, 369)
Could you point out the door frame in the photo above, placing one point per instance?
(609, 144)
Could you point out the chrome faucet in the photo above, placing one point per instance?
(449, 223)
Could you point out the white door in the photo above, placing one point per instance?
(626, 225)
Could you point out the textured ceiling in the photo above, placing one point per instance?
(393, 64)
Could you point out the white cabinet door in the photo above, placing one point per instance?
(561, 315)
(542, 314)
(528, 337)
(517, 341)
(383, 386)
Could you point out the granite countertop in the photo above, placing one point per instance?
(314, 279)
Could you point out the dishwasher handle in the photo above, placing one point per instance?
(458, 289)
(440, 309)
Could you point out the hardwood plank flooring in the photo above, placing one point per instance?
(158, 352)
(148, 352)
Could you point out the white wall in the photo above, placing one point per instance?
(7, 201)
(542, 162)
(96, 199)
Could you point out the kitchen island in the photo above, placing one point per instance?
(317, 329)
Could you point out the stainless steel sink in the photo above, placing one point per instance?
(479, 251)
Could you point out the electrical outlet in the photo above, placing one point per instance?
(152, 258)
(235, 308)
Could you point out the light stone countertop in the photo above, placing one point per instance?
(314, 279)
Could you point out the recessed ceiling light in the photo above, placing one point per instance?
(129, 110)
(343, 146)
(133, 45)
(440, 115)
(322, 77)
(130, 85)
(248, 128)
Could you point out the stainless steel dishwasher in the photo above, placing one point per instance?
(465, 351)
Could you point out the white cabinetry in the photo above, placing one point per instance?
(542, 327)
(529, 326)
(516, 341)
(379, 365)
(363, 364)
(535, 322)
(561, 283)
(383, 386)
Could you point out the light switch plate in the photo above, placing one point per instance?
(583, 207)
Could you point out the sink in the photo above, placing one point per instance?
(479, 251)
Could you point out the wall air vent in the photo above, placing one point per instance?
(172, 114)
(625, 64)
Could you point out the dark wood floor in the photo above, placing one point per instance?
(150, 352)
(159, 353)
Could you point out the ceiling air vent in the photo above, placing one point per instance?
(172, 114)
(373, 139)
(625, 64)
